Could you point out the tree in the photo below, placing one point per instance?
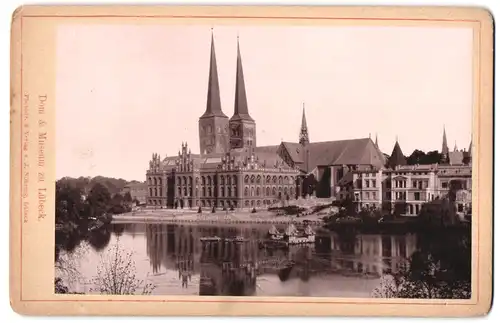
(69, 207)
(422, 158)
(116, 275)
(127, 197)
(98, 200)
(370, 215)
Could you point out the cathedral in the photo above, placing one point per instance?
(232, 171)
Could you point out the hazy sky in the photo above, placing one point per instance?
(126, 91)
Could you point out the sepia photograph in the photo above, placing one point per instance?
(241, 160)
(269, 161)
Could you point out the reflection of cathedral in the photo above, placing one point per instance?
(228, 268)
(232, 268)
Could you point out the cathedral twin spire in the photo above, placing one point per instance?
(214, 107)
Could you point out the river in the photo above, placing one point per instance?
(173, 259)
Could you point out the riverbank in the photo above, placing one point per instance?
(168, 216)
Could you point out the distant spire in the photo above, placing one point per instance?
(470, 147)
(213, 95)
(304, 133)
(444, 148)
(376, 140)
(456, 148)
(240, 96)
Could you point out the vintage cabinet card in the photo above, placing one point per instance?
(251, 160)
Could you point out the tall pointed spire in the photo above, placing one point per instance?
(304, 133)
(240, 97)
(444, 148)
(456, 148)
(376, 140)
(213, 95)
(242, 126)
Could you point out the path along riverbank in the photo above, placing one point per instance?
(233, 217)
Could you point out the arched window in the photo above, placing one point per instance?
(221, 180)
(268, 179)
(285, 191)
(203, 191)
(268, 191)
(150, 183)
(155, 181)
(203, 180)
(185, 191)
(246, 179)
(274, 179)
(280, 180)
(203, 202)
(252, 179)
(228, 180)
(222, 191)
(285, 180)
(229, 191)
(258, 179)
(160, 192)
(179, 190)
(274, 191)
(235, 180)
(209, 180)
(209, 192)
(258, 191)
(184, 180)
(247, 203)
(159, 180)
(191, 181)
(156, 192)
(246, 191)
(252, 202)
(258, 203)
(150, 191)
(252, 192)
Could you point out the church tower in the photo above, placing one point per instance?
(242, 126)
(213, 124)
(304, 134)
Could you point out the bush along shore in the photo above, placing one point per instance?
(83, 217)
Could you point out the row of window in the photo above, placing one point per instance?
(155, 192)
(417, 196)
(232, 192)
(228, 179)
(154, 181)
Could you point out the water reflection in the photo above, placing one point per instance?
(232, 268)
(174, 257)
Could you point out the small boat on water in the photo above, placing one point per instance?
(291, 236)
(236, 239)
(210, 239)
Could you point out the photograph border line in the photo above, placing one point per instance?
(354, 302)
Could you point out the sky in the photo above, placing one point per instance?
(124, 92)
